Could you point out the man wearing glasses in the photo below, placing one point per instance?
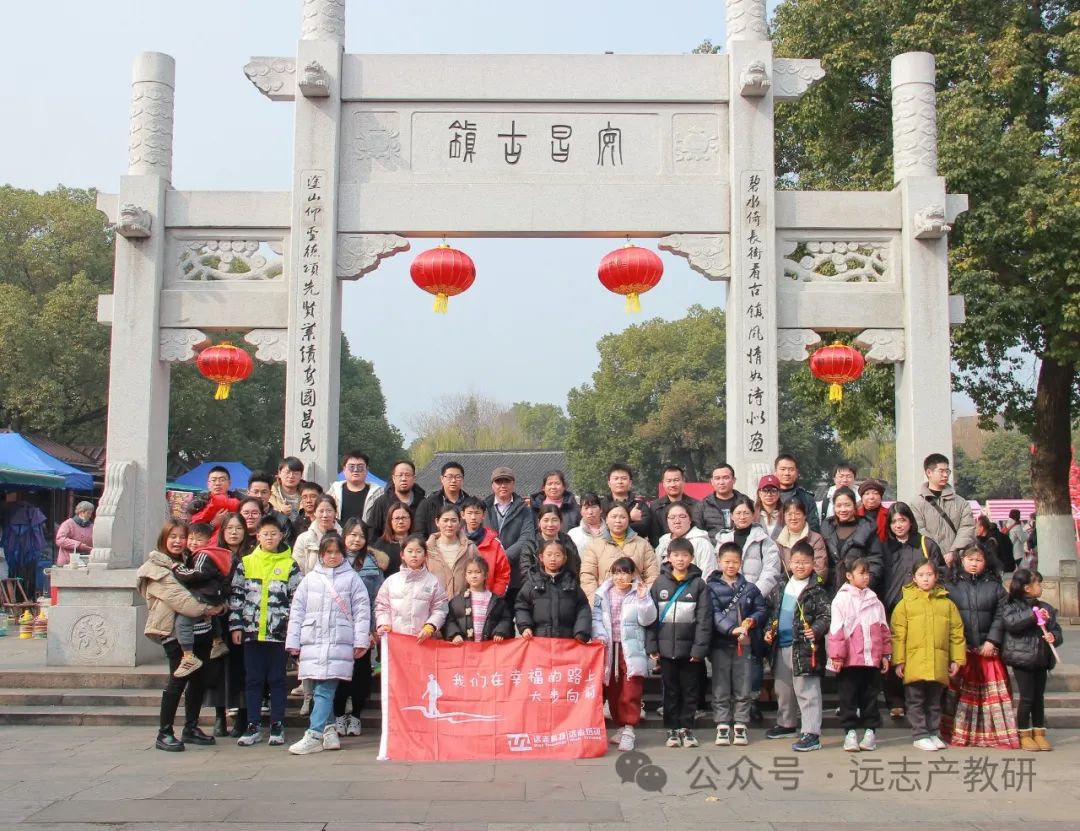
(452, 476)
(942, 515)
(403, 488)
(354, 496)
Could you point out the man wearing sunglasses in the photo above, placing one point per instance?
(355, 497)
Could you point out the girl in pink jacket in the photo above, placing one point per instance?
(413, 601)
(859, 646)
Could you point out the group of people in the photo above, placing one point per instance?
(903, 599)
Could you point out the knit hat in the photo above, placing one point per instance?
(872, 485)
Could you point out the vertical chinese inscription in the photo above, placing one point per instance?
(753, 306)
(314, 240)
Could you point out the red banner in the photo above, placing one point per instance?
(518, 699)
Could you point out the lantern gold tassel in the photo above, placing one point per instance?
(442, 303)
(222, 392)
(633, 303)
(836, 392)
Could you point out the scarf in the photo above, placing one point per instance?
(82, 523)
(476, 537)
(788, 539)
(619, 541)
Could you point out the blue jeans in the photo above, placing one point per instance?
(322, 708)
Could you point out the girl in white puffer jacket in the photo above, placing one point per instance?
(329, 628)
(413, 601)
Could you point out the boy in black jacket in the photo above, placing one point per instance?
(680, 638)
(551, 603)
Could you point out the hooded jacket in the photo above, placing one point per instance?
(638, 614)
(863, 542)
(598, 557)
(859, 630)
(981, 601)
(761, 558)
(704, 550)
(165, 597)
(553, 606)
(263, 586)
(900, 561)
(808, 656)
(1024, 646)
(306, 549)
(582, 535)
(494, 555)
(330, 616)
(927, 633)
(684, 620)
(934, 525)
(373, 494)
(451, 577)
(410, 599)
(207, 574)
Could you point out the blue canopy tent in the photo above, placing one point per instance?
(196, 477)
(18, 454)
(371, 478)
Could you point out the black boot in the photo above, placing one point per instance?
(193, 734)
(167, 741)
(239, 723)
(755, 713)
(221, 728)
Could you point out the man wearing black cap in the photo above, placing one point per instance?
(511, 518)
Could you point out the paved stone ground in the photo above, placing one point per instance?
(78, 779)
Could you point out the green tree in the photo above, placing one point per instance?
(1009, 137)
(966, 474)
(1004, 469)
(362, 416)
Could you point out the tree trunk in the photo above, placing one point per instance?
(1053, 417)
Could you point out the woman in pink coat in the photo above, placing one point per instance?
(75, 536)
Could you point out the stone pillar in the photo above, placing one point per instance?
(752, 438)
(923, 378)
(314, 353)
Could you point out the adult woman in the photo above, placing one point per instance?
(849, 536)
(761, 557)
(229, 690)
(399, 524)
(75, 536)
(977, 710)
(449, 550)
(251, 511)
(549, 521)
(554, 492)
(796, 528)
(904, 549)
(988, 541)
(166, 598)
(770, 513)
(592, 525)
(618, 540)
(306, 550)
(682, 525)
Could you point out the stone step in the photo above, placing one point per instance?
(136, 678)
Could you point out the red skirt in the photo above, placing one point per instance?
(977, 710)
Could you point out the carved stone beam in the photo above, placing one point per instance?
(273, 77)
(180, 345)
(754, 81)
(883, 346)
(795, 344)
(272, 344)
(134, 222)
(359, 254)
(792, 77)
(708, 254)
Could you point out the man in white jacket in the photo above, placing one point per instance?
(354, 496)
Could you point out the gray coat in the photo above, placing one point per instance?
(329, 618)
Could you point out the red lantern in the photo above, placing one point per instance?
(225, 364)
(444, 272)
(631, 271)
(836, 365)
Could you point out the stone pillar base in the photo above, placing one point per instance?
(99, 620)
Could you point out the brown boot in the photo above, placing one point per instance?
(1038, 735)
(1027, 742)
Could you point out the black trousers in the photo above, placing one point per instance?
(923, 705)
(680, 678)
(264, 664)
(859, 688)
(191, 687)
(1030, 689)
(359, 688)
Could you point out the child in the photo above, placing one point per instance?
(977, 709)
(1031, 629)
(551, 603)
(329, 623)
(859, 647)
(798, 640)
(487, 543)
(412, 601)
(368, 565)
(262, 591)
(477, 613)
(680, 638)
(205, 572)
(928, 648)
(622, 612)
(737, 609)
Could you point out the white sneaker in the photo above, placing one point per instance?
(643, 715)
(851, 742)
(869, 741)
(297, 691)
(925, 743)
(305, 708)
(309, 743)
(938, 742)
(353, 727)
(616, 735)
(341, 725)
(741, 738)
(626, 741)
(330, 740)
(723, 735)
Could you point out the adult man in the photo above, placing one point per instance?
(941, 514)
(786, 469)
(620, 481)
(259, 487)
(285, 492)
(1018, 537)
(716, 507)
(403, 488)
(843, 477)
(216, 499)
(355, 497)
(509, 516)
(674, 482)
(870, 492)
(451, 475)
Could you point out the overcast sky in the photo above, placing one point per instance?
(527, 330)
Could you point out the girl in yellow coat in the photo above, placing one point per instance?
(927, 647)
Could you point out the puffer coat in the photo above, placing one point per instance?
(732, 603)
(684, 624)
(598, 557)
(638, 613)
(900, 561)
(410, 599)
(981, 600)
(165, 597)
(553, 606)
(329, 618)
(1024, 646)
(927, 634)
(863, 542)
(760, 556)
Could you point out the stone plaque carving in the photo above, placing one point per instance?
(697, 143)
(90, 638)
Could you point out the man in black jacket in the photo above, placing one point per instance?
(716, 507)
(509, 516)
(620, 485)
(402, 488)
(674, 483)
(452, 474)
(786, 469)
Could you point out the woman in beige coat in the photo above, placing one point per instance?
(618, 540)
(449, 550)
